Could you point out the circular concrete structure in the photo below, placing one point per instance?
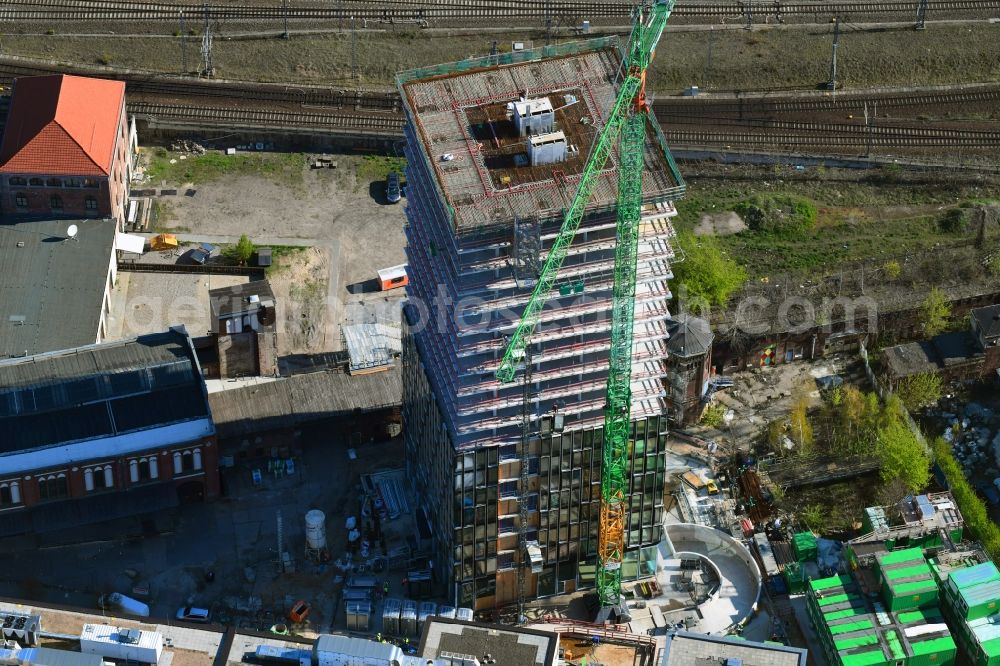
(739, 588)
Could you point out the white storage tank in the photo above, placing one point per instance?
(427, 609)
(390, 616)
(122, 644)
(464, 614)
(446, 612)
(315, 529)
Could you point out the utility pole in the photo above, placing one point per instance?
(494, 54)
(921, 14)
(749, 12)
(207, 68)
(708, 58)
(184, 54)
(832, 83)
(284, 10)
(354, 49)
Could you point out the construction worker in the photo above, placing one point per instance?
(378, 637)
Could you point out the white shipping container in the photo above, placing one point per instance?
(116, 643)
(329, 650)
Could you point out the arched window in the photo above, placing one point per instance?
(178, 463)
(36, 182)
(90, 182)
(109, 477)
(154, 470)
(53, 487)
(88, 479)
(54, 182)
(133, 471)
(55, 202)
(197, 459)
(16, 181)
(20, 200)
(10, 494)
(72, 182)
(90, 203)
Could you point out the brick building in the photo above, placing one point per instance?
(67, 148)
(689, 367)
(103, 432)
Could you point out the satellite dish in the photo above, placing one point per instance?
(71, 232)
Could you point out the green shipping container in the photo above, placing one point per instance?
(935, 652)
(804, 546)
(795, 578)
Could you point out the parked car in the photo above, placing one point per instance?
(713, 489)
(989, 492)
(193, 614)
(392, 191)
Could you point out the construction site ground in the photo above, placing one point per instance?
(235, 538)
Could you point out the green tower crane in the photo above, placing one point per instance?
(627, 125)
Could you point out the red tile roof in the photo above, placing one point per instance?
(62, 125)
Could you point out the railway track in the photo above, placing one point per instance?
(669, 108)
(780, 133)
(268, 118)
(452, 10)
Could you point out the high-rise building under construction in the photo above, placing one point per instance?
(509, 474)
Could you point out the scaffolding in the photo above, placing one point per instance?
(479, 227)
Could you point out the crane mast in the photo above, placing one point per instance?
(626, 124)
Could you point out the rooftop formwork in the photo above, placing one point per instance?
(481, 219)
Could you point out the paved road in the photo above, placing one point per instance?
(231, 240)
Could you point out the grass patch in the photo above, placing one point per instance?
(282, 257)
(198, 169)
(801, 226)
(375, 167)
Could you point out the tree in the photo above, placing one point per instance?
(813, 516)
(935, 312)
(902, 456)
(800, 430)
(242, 251)
(706, 273)
(918, 391)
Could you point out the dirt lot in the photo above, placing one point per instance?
(770, 57)
(340, 215)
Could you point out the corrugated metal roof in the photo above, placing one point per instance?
(52, 287)
(42, 656)
(303, 398)
(358, 647)
(986, 629)
(372, 345)
(980, 573)
(982, 593)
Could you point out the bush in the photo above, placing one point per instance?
(977, 519)
(708, 276)
(919, 391)
(778, 214)
(954, 221)
(713, 415)
(935, 313)
(892, 269)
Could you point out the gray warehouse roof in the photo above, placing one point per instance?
(53, 287)
(509, 645)
(689, 649)
(303, 398)
(99, 390)
(988, 319)
(360, 648)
